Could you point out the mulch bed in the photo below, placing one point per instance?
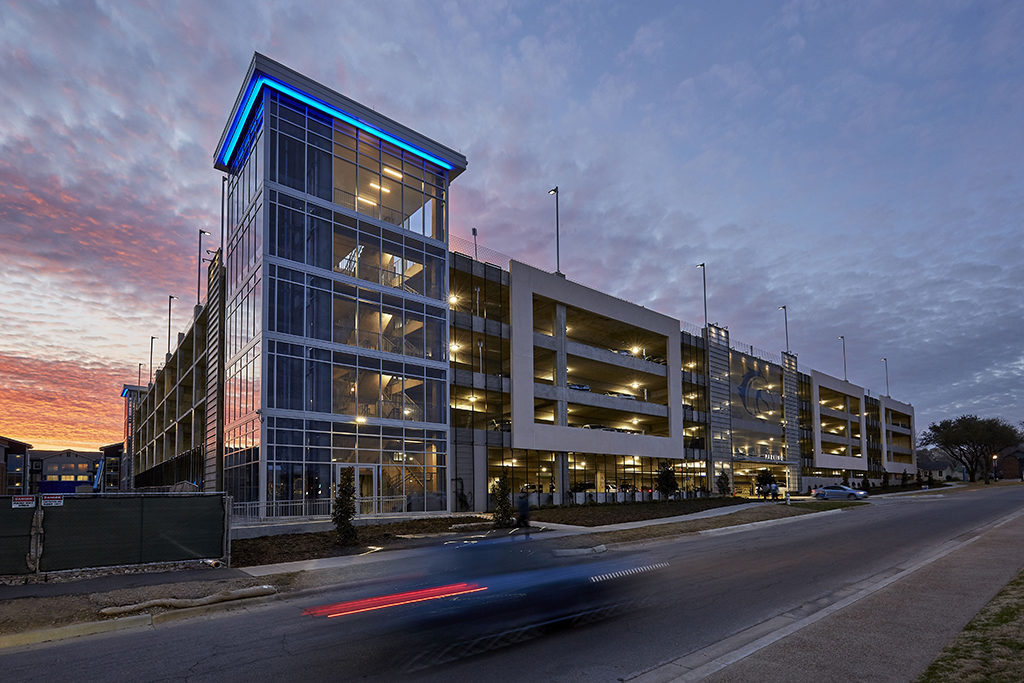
(615, 513)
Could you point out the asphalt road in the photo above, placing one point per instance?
(716, 586)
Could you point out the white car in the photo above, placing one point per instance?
(838, 491)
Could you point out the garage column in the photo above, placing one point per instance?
(562, 477)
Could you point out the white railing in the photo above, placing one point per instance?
(316, 508)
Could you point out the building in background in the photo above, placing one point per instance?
(108, 471)
(344, 329)
(132, 395)
(168, 440)
(14, 461)
(65, 471)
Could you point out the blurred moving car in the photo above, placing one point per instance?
(477, 595)
(838, 491)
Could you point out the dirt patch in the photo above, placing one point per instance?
(30, 613)
(991, 646)
(616, 513)
(247, 552)
(758, 514)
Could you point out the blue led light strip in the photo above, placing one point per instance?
(284, 88)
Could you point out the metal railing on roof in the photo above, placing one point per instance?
(752, 350)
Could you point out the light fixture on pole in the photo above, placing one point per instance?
(199, 263)
(151, 340)
(558, 261)
(785, 317)
(170, 298)
(843, 339)
(886, 361)
(476, 256)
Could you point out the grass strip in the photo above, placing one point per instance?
(991, 646)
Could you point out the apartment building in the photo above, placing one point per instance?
(14, 466)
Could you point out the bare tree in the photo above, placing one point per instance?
(971, 441)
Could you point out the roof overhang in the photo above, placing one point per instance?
(266, 73)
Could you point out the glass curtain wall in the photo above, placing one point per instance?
(356, 314)
(243, 262)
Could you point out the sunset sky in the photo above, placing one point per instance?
(857, 161)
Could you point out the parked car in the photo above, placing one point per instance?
(620, 394)
(838, 491)
(579, 387)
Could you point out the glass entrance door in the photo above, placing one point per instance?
(367, 483)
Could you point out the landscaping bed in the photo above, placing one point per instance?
(599, 514)
(758, 514)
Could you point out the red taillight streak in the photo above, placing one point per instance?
(370, 604)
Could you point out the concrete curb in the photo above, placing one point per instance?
(573, 552)
(86, 628)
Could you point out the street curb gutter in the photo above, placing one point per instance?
(87, 628)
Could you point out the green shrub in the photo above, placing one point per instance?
(723, 484)
(667, 484)
(504, 515)
(345, 507)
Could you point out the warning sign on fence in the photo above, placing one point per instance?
(53, 500)
(23, 501)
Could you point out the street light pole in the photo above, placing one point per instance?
(476, 255)
(140, 374)
(199, 263)
(170, 298)
(151, 340)
(223, 182)
(785, 317)
(886, 361)
(558, 261)
(704, 276)
(709, 455)
(843, 339)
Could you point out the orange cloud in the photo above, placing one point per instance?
(55, 404)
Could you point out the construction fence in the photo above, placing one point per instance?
(53, 532)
